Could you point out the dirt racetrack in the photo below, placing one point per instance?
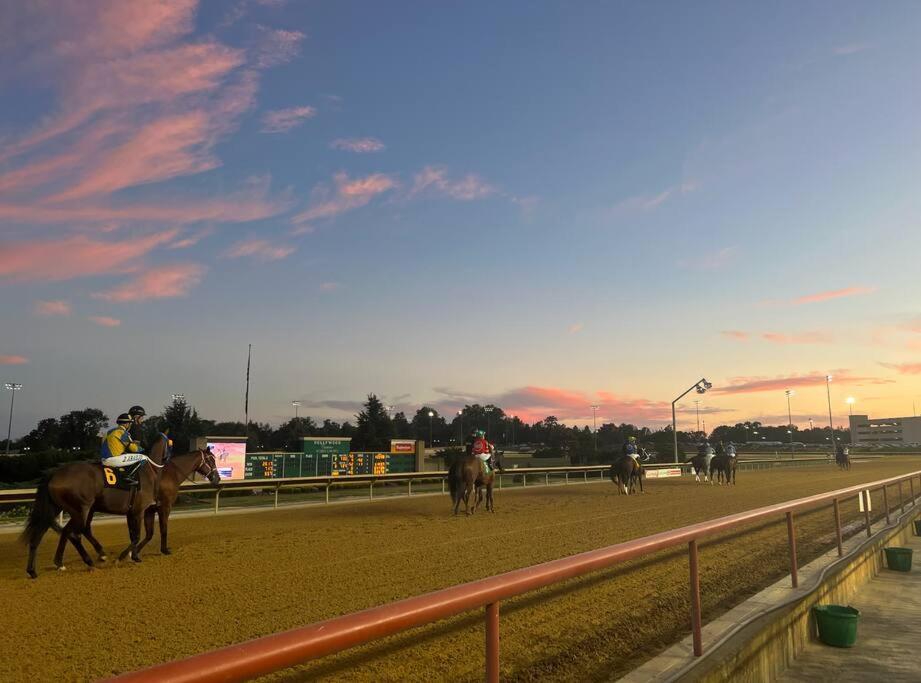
(235, 577)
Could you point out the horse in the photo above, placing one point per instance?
(177, 470)
(843, 459)
(625, 473)
(465, 477)
(699, 463)
(79, 489)
(486, 481)
(723, 466)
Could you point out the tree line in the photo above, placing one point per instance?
(76, 435)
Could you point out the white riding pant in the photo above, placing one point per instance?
(484, 456)
(124, 460)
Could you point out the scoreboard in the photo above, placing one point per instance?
(372, 463)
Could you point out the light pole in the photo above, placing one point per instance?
(431, 417)
(488, 410)
(296, 405)
(831, 425)
(850, 410)
(850, 404)
(178, 397)
(595, 426)
(701, 388)
(460, 414)
(697, 410)
(789, 393)
(13, 388)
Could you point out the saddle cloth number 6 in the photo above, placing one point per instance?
(110, 476)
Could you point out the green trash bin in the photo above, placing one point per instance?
(837, 624)
(898, 559)
(918, 527)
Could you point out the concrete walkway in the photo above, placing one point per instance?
(888, 644)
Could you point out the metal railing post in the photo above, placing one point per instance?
(443, 484)
(585, 473)
(546, 479)
(901, 498)
(866, 509)
(695, 598)
(567, 477)
(791, 537)
(371, 490)
(276, 496)
(410, 487)
(327, 493)
(217, 498)
(886, 502)
(492, 642)
(838, 528)
(524, 479)
(911, 484)
(500, 481)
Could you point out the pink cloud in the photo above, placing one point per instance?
(73, 257)
(904, 368)
(105, 320)
(359, 145)
(276, 46)
(283, 120)
(711, 260)
(261, 250)
(832, 294)
(13, 360)
(435, 179)
(348, 194)
(575, 328)
(191, 240)
(801, 338)
(649, 202)
(48, 308)
(329, 286)
(737, 335)
(162, 282)
(753, 385)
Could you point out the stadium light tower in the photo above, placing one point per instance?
(595, 425)
(296, 405)
(850, 404)
(789, 393)
(178, 397)
(700, 387)
(431, 417)
(831, 425)
(13, 387)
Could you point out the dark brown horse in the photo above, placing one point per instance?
(722, 466)
(79, 489)
(177, 470)
(465, 477)
(843, 459)
(486, 481)
(626, 472)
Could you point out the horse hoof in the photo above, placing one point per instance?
(32, 573)
(135, 558)
(103, 558)
(166, 551)
(62, 568)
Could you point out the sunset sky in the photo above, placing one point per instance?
(541, 204)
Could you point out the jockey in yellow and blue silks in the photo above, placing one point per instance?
(118, 448)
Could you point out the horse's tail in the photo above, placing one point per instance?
(42, 517)
(452, 480)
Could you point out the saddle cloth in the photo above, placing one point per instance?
(124, 478)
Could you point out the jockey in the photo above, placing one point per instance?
(631, 449)
(118, 448)
(137, 415)
(706, 451)
(731, 450)
(482, 449)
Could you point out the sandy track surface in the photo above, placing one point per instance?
(236, 577)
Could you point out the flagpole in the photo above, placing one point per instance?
(249, 355)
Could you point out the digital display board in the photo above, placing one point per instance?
(230, 458)
(372, 463)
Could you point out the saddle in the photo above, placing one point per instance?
(123, 478)
(484, 467)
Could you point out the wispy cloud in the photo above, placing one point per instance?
(13, 360)
(359, 145)
(283, 120)
(162, 282)
(710, 260)
(276, 46)
(798, 338)
(851, 48)
(105, 321)
(832, 294)
(74, 257)
(754, 385)
(904, 368)
(737, 335)
(261, 250)
(435, 179)
(329, 286)
(49, 308)
(576, 328)
(650, 202)
(347, 194)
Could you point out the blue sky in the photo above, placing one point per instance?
(543, 204)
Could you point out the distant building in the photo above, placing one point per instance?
(885, 431)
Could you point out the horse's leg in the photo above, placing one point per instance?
(149, 514)
(468, 490)
(62, 543)
(79, 526)
(490, 506)
(88, 534)
(163, 514)
(134, 535)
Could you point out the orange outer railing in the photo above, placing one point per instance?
(270, 653)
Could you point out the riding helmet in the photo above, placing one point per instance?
(123, 419)
(137, 411)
